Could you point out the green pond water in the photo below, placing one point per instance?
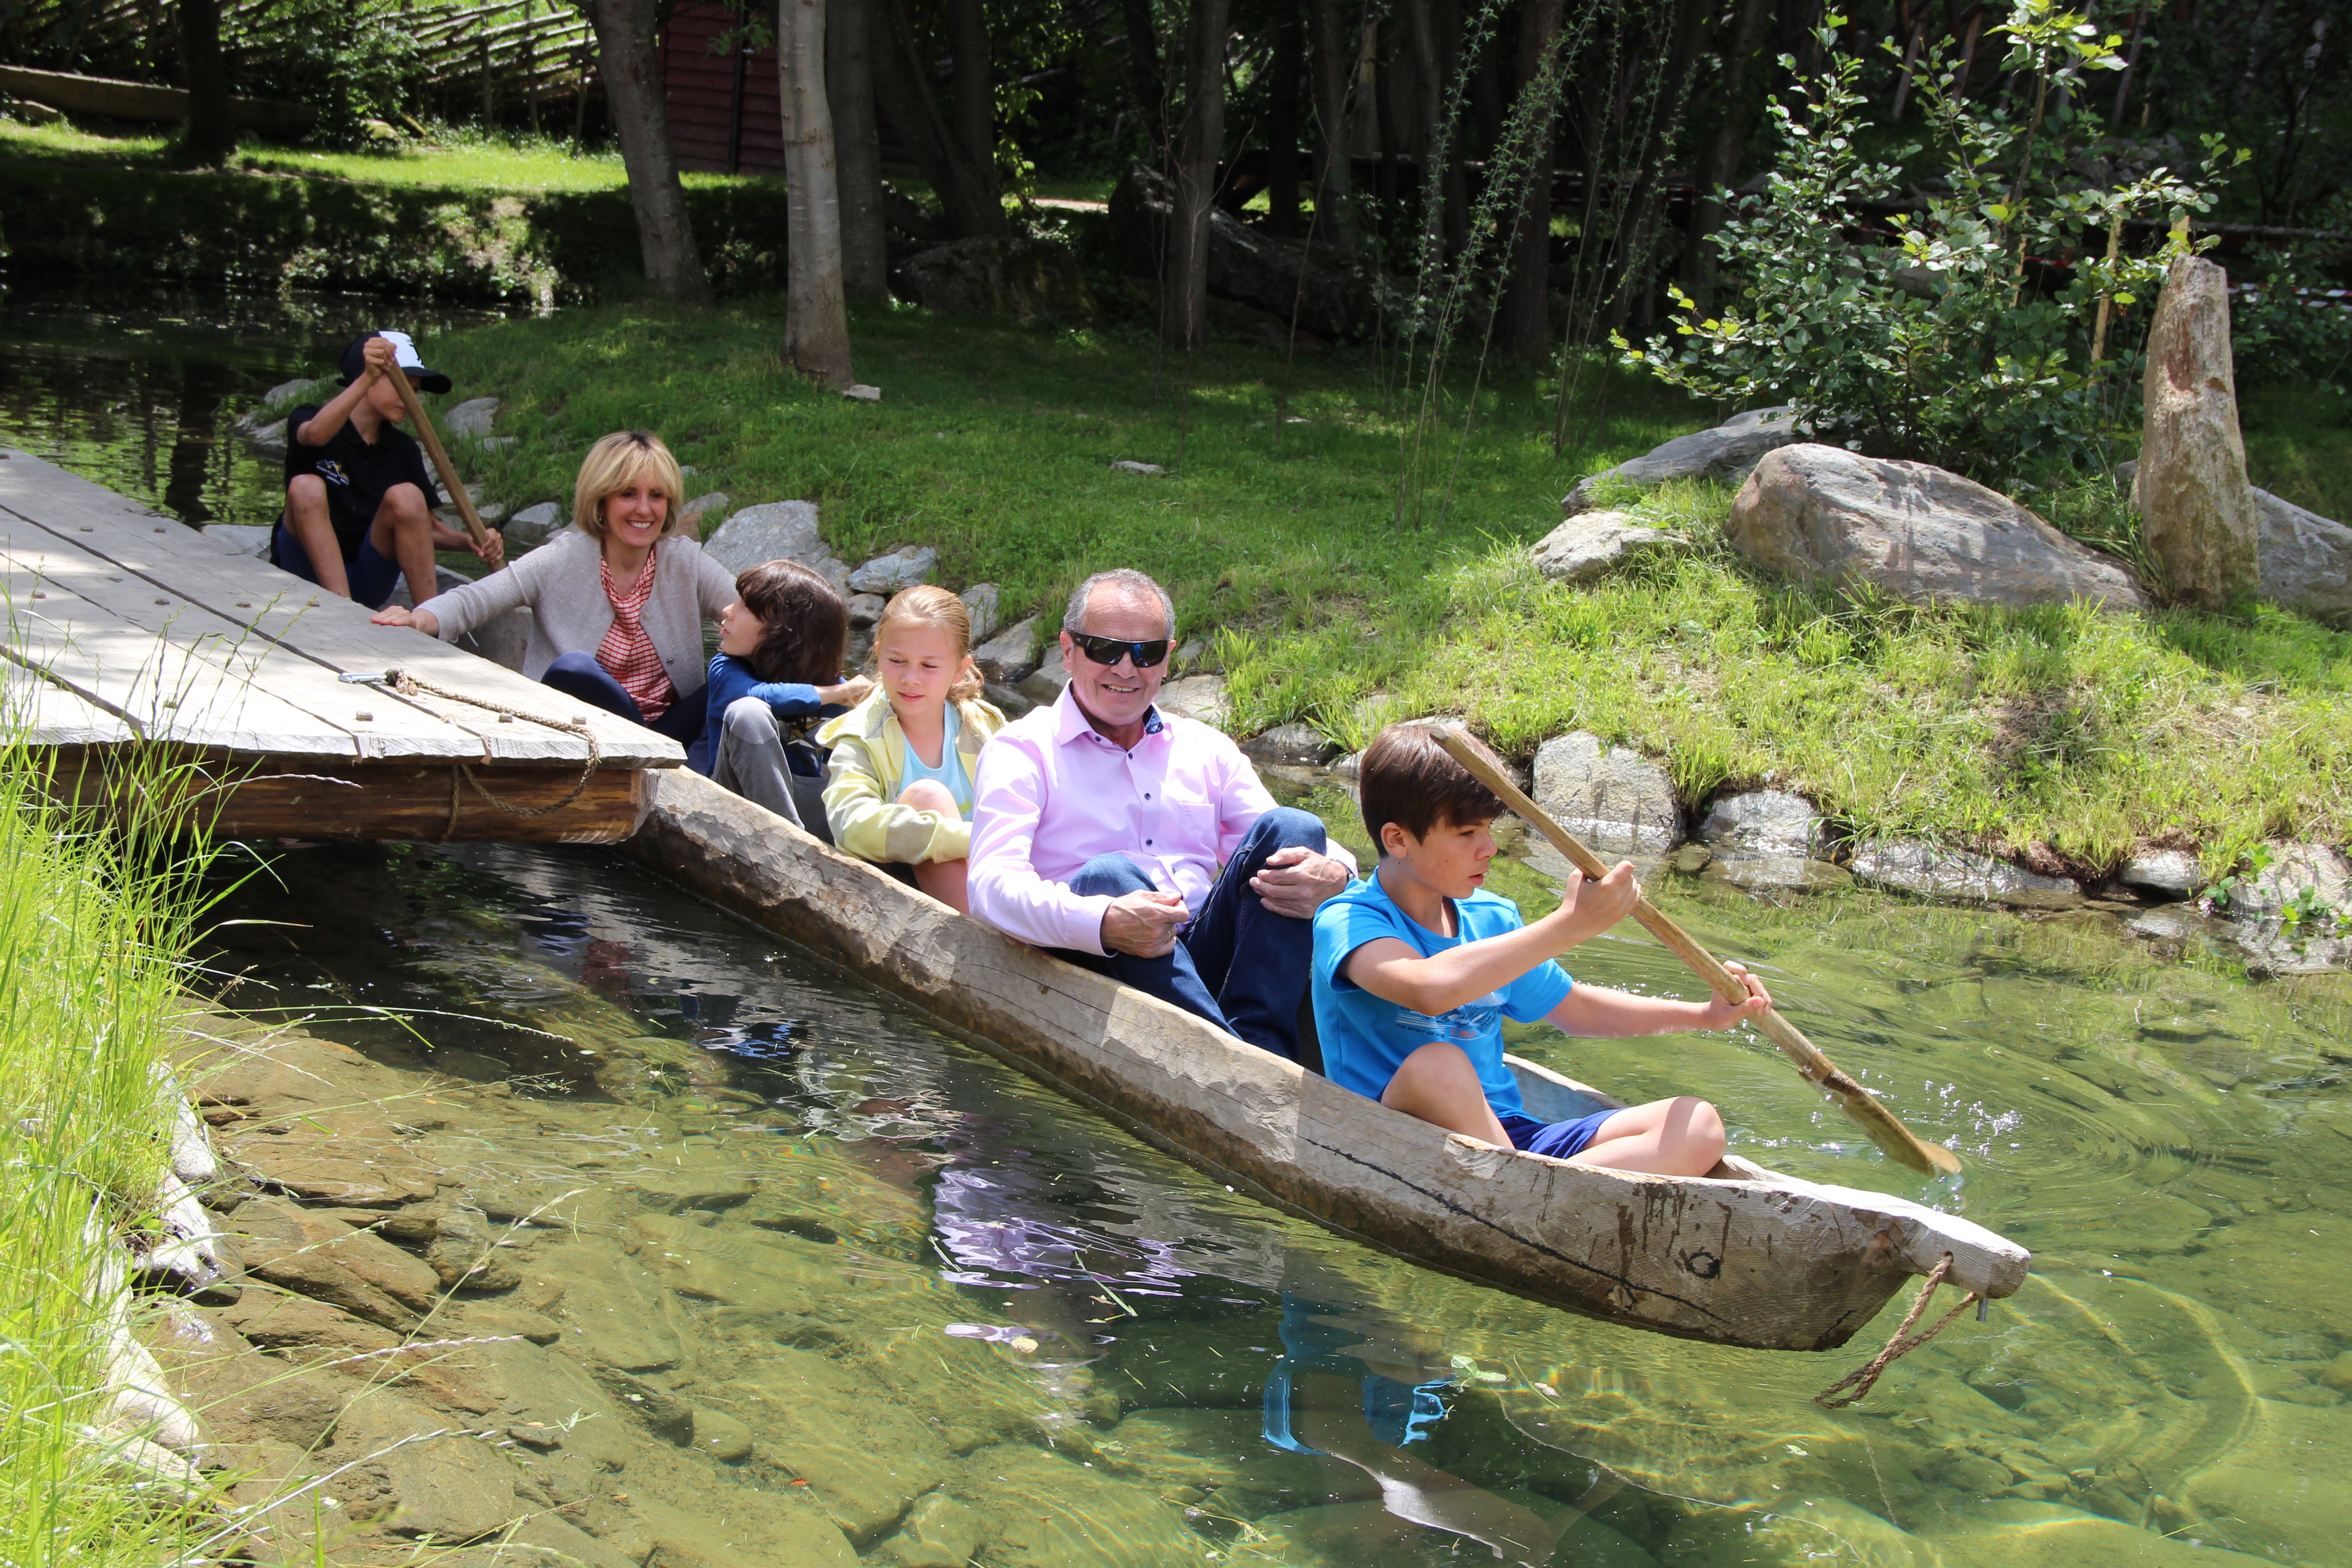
(2173, 1141)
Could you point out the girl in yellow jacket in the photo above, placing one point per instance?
(898, 788)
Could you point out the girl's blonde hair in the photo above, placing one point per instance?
(611, 464)
(930, 605)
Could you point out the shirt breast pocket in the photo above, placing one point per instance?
(1189, 821)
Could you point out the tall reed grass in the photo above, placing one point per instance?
(97, 913)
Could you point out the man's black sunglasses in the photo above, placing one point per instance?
(1110, 650)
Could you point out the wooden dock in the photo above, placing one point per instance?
(127, 628)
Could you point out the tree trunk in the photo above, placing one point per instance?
(858, 147)
(971, 208)
(1146, 76)
(1638, 285)
(1524, 328)
(975, 92)
(1720, 162)
(1429, 123)
(1184, 294)
(211, 135)
(1331, 57)
(1288, 70)
(633, 96)
(816, 319)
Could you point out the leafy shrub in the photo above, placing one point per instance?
(1957, 344)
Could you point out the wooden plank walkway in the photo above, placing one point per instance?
(125, 627)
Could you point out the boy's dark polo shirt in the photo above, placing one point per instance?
(357, 474)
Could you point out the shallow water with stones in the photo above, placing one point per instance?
(1019, 1311)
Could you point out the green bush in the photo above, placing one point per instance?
(1948, 347)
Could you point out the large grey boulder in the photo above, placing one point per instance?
(502, 639)
(1009, 656)
(470, 420)
(982, 604)
(1295, 744)
(1822, 514)
(1595, 544)
(2307, 560)
(999, 276)
(268, 441)
(2196, 509)
(1934, 871)
(535, 525)
(1044, 684)
(709, 500)
(1727, 452)
(776, 530)
(2292, 868)
(1615, 799)
(905, 567)
(1200, 697)
(2162, 874)
(1334, 295)
(1761, 822)
(287, 394)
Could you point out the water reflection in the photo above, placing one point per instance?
(2174, 1369)
(141, 393)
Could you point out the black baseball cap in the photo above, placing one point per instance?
(353, 363)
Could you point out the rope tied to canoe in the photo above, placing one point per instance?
(1901, 1344)
(407, 685)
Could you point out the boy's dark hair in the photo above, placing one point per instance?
(805, 626)
(1407, 778)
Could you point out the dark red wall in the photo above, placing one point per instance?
(702, 92)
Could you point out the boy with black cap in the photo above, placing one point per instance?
(358, 515)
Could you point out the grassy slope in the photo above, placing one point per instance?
(2083, 732)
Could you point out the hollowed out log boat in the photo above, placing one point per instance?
(1744, 1257)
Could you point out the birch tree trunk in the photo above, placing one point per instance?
(1333, 197)
(1525, 328)
(1184, 295)
(858, 148)
(633, 96)
(211, 135)
(816, 318)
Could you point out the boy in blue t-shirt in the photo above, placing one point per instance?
(1416, 966)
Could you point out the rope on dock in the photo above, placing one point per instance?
(407, 685)
(1901, 1344)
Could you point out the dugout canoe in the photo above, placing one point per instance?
(1749, 1258)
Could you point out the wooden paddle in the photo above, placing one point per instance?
(448, 470)
(1885, 1129)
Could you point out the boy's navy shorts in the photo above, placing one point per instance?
(373, 578)
(1560, 1139)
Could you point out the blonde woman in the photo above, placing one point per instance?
(617, 601)
(898, 785)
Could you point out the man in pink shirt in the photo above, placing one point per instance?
(1141, 844)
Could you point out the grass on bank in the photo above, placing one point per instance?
(2059, 727)
(457, 158)
(91, 931)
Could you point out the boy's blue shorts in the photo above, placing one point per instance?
(1560, 1139)
(1395, 1412)
(371, 577)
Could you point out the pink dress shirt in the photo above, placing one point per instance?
(1053, 793)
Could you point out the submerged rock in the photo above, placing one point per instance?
(938, 1532)
(1292, 744)
(1822, 514)
(2295, 867)
(1777, 873)
(1592, 545)
(1727, 452)
(1933, 871)
(1612, 797)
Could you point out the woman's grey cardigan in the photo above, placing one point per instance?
(569, 612)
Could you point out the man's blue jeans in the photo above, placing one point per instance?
(1238, 964)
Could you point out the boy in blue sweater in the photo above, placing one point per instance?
(1416, 967)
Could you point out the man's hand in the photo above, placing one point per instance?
(1723, 1014)
(380, 358)
(1588, 909)
(1295, 881)
(1144, 924)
